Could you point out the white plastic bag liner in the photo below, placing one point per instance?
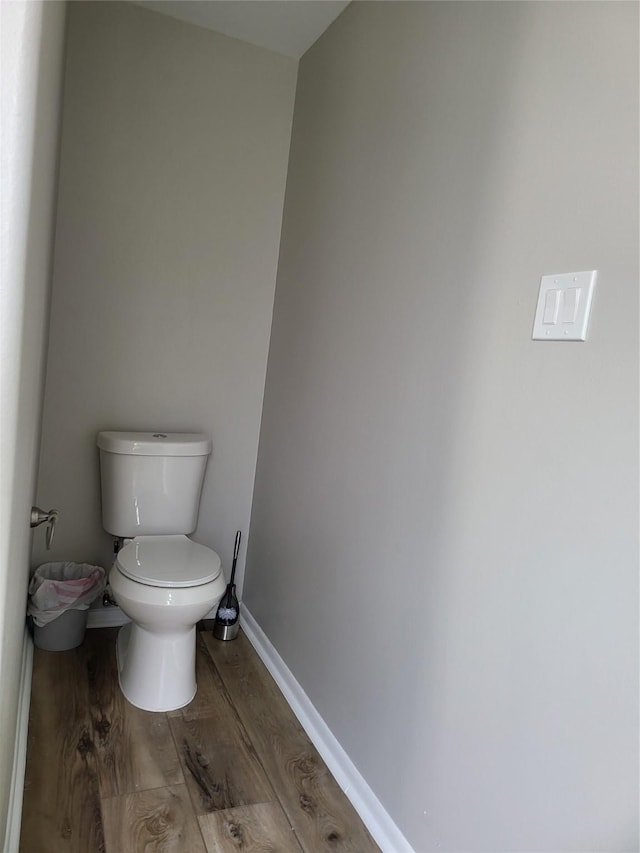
(56, 587)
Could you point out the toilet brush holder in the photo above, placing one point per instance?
(226, 632)
(227, 622)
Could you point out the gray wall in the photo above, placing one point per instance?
(174, 156)
(31, 61)
(445, 528)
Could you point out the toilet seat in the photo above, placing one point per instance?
(168, 561)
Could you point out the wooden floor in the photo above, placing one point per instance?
(232, 771)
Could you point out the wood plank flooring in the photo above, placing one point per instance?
(232, 771)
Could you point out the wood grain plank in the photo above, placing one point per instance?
(158, 821)
(61, 808)
(211, 699)
(84, 734)
(261, 828)
(134, 750)
(321, 815)
(219, 774)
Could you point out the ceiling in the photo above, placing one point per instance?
(284, 26)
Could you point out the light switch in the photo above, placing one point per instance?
(564, 304)
(551, 303)
(570, 304)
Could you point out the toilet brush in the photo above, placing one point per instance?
(227, 622)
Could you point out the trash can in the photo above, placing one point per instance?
(59, 597)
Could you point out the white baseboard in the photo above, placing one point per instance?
(14, 815)
(373, 814)
(106, 617)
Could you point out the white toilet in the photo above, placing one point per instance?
(162, 580)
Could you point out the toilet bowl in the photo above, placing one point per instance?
(165, 585)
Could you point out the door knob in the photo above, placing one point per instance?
(39, 516)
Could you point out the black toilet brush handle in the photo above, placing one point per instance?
(236, 549)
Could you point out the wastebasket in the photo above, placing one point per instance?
(59, 597)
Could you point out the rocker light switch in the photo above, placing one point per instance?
(571, 304)
(551, 303)
(564, 303)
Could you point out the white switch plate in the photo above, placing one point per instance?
(564, 303)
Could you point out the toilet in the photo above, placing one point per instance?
(162, 580)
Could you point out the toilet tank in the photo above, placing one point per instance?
(151, 482)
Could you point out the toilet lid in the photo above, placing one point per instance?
(168, 561)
